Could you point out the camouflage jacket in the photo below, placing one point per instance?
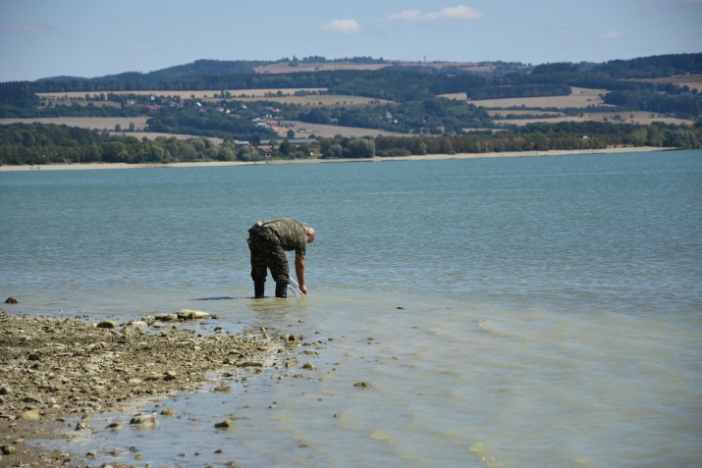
(290, 233)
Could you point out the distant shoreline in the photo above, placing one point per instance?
(428, 157)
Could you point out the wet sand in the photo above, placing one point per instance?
(511, 154)
(57, 368)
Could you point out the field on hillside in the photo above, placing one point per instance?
(91, 123)
(301, 129)
(284, 67)
(304, 129)
(205, 94)
(691, 81)
(633, 117)
(287, 96)
(106, 123)
(320, 100)
(580, 97)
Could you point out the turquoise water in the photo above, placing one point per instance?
(541, 311)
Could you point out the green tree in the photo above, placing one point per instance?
(286, 148)
(334, 151)
(361, 148)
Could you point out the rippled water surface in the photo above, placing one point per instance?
(542, 311)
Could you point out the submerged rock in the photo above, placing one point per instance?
(227, 423)
(293, 338)
(143, 419)
(11, 300)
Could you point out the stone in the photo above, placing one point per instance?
(251, 364)
(90, 368)
(226, 424)
(309, 366)
(143, 419)
(137, 324)
(8, 450)
(293, 338)
(187, 314)
(168, 412)
(170, 375)
(95, 346)
(11, 300)
(223, 388)
(31, 415)
(166, 317)
(107, 324)
(362, 385)
(29, 398)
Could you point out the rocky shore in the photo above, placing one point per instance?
(54, 369)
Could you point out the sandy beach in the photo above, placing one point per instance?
(512, 154)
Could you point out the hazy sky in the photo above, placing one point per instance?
(89, 38)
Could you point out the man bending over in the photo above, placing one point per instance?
(268, 242)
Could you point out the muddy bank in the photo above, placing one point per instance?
(54, 369)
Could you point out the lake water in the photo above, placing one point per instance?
(507, 312)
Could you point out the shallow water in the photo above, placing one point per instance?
(541, 311)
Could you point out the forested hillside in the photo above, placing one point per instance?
(400, 99)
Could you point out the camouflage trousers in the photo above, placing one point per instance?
(267, 253)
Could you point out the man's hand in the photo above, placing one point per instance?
(303, 289)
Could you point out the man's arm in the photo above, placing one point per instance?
(300, 271)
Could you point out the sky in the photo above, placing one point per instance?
(92, 38)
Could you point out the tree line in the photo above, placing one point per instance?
(532, 137)
(48, 143)
(40, 144)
